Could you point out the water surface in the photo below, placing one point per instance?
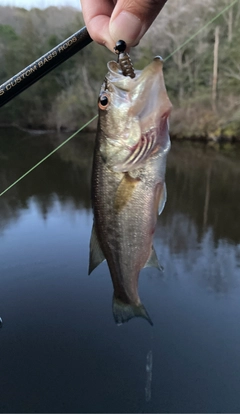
(60, 348)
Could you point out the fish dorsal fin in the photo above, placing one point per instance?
(153, 260)
(123, 312)
(162, 199)
(96, 255)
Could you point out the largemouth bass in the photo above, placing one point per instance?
(128, 179)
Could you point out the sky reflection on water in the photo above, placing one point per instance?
(60, 349)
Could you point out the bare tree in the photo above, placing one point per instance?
(215, 68)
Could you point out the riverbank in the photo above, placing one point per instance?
(202, 85)
(224, 135)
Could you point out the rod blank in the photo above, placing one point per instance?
(43, 65)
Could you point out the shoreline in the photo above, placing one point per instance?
(174, 137)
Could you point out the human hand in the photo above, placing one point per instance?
(108, 21)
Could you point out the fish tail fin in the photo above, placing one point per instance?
(123, 312)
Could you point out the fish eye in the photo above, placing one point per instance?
(103, 101)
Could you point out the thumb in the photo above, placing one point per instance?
(132, 18)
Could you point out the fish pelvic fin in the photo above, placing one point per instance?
(162, 199)
(96, 255)
(123, 312)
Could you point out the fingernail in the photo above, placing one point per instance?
(126, 26)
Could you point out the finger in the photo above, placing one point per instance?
(97, 17)
(132, 18)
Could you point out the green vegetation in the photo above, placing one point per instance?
(202, 78)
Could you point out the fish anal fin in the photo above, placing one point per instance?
(96, 255)
(153, 260)
(123, 312)
(125, 191)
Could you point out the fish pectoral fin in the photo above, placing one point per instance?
(123, 312)
(162, 199)
(125, 191)
(96, 255)
(153, 260)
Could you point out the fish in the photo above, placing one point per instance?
(128, 180)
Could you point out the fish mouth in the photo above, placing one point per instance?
(142, 105)
(146, 93)
(125, 83)
(150, 102)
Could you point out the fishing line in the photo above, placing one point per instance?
(80, 129)
(49, 155)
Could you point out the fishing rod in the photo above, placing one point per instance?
(36, 70)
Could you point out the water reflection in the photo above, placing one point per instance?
(65, 175)
(199, 221)
(149, 367)
(58, 327)
(203, 184)
(211, 264)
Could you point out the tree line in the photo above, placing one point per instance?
(202, 77)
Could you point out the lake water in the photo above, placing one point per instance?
(60, 350)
